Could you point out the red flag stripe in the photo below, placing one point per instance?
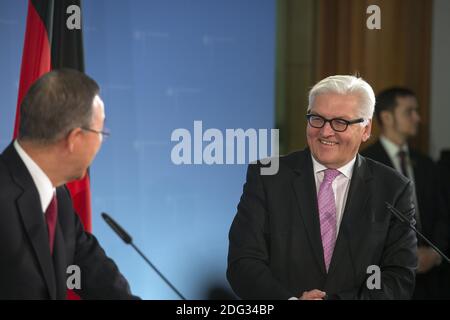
(36, 58)
(48, 45)
(81, 197)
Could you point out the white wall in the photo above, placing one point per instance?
(440, 79)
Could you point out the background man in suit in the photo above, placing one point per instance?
(396, 112)
(312, 230)
(62, 119)
(444, 173)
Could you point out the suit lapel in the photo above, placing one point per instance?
(305, 191)
(383, 157)
(59, 260)
(29, 207)
(59, 253)
(419, 175)
(33, 220)
(353, 215)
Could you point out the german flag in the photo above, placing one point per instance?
(54, 39)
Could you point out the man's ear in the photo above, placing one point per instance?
(387, 118)
(367, 130)
(73, 138)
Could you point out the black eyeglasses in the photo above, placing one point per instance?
(337, 124)
(105, 133)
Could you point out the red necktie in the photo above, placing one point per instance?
(51, 216)
(402, 155)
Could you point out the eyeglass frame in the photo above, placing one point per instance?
(325, 120)
(105, 134)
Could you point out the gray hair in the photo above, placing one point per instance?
(58, 102)
(344, 85)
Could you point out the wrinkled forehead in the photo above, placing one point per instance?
(336, 105)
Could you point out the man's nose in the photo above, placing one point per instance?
(327, 130)
(417, 116)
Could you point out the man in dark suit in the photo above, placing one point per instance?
(319, 228)
(444, 170)
(42, 241)
(396, 112)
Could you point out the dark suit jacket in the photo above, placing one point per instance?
(27, 270)
(275, 249)
(432, 207)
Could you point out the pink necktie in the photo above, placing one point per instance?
(327, 214)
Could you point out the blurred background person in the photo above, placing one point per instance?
(444, 169)
(396, 110)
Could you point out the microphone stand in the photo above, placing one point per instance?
(128, 240)
(405, 220)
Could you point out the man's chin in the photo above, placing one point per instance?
(82, 175)
(326, 153)
(329, 159)
(324, 159)
(79, 176)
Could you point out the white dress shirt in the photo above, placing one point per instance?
(41, 181)
(340, 185)
(392, 150)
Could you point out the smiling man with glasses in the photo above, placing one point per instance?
(337, 124)
(317, 228)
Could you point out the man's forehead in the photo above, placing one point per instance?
(408, 101)
(342, 108)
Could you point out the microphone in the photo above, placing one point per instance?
(128, 240)
(405, 220)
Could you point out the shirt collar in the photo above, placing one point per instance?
(391, 148)
(346, 170)
(42, 182)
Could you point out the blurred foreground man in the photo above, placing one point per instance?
(319, 227)
(396, 110)
(60, 133)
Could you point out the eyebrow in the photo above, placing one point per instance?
(343, 117)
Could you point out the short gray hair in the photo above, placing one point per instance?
(344, 85)
(58, 102)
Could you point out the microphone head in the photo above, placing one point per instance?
(117, 228)
(396, 212)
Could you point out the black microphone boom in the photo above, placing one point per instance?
(118, 229)
(404, 219)
(128, 240)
